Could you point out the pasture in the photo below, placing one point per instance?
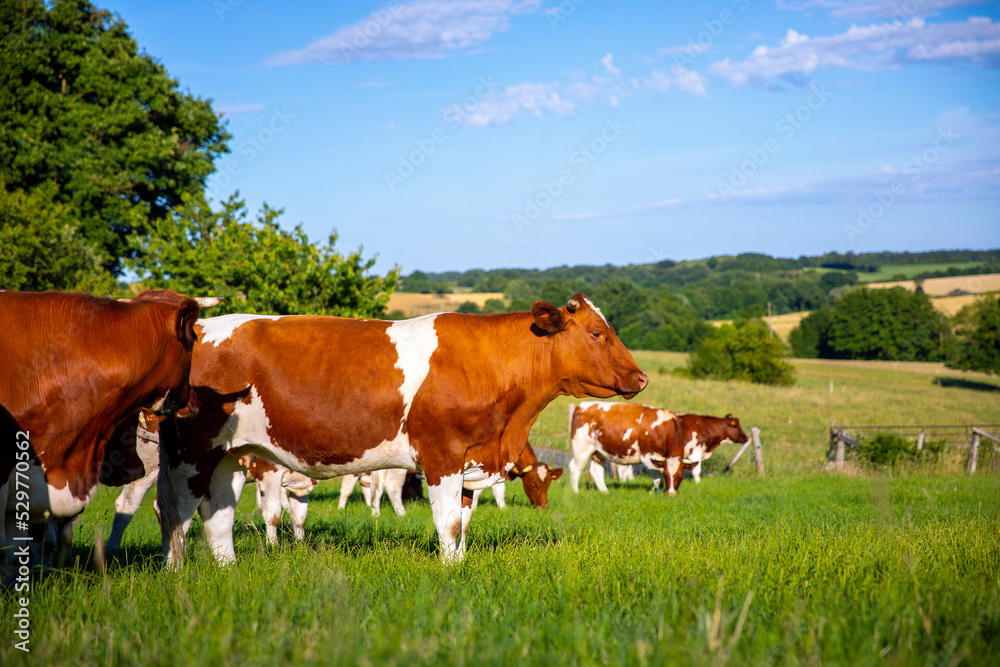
(898, 567)
(890, 271)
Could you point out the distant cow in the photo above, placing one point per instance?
(280, 488)
(74, 366)
(535, 475)
(451, 395)
(373, 484)
(630, 433)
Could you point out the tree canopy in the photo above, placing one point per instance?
(83, 109)
(744, 350)
(976, 342)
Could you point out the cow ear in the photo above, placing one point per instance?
(187, 315)
(556, 473)
(548, 318)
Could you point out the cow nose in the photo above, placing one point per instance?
(643, 380)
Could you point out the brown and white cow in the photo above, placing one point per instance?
(452, 395)
(630, 433)
(536, 476)
(373, 485)
(279, 488)
(74, 366)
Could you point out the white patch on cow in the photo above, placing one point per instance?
(446, 509)
(596, 309)
(662, 416)
(218, 329)
(692, 450)
(542, 472)
(415, 342)
(628, 432)
(600, 405)
(248, 425)
(44, 501)
(475, 479)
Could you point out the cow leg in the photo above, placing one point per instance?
(597, 473)
(475, 498)
(696, 473)
(270, 489)
(127, 504)
(393, 481)
(581, 459)
(298, 507)
(466, 518)
(375, 492)
(366, 488)
(218, 512)
(500, 494)
(656, 484)
(672, 472)
(347, 483)
(447, 507)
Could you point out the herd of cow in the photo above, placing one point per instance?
(128, 393)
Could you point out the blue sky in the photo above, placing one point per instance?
(532, 133)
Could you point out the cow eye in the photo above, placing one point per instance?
(597, 335)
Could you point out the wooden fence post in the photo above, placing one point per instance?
(920, 441)
(973, 454)
(755, 434)
(840, 451)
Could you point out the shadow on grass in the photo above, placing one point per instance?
(965, 384)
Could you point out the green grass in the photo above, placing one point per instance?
(901, 567)
(833, 570)
(890, 271)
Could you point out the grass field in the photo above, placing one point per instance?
(890, 271)
(803, 567)
(989, 282)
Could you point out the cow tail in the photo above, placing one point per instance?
(171, 526)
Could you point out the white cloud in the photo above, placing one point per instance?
(686, 80)
(416, 29)
(537, 99)
(872, 47)
(232, 108)
(606, 61)
(895, 9)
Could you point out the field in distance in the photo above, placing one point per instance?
(414, 305)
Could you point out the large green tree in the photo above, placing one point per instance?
(887, 324)
(83, 108)
(976, 341)
(257, 266)
(745, 350)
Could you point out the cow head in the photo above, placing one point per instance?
(587, 355)
(731, 432)
(536, 478)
